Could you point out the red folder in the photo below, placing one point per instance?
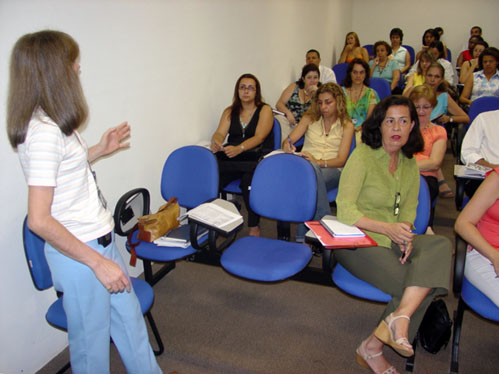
(329, 241)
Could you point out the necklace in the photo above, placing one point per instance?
(359, 95)
(306, 97)
(248, 120)
(382, 69)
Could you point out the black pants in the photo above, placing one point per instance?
(242, 166)
(433, 187)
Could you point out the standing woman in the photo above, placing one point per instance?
(248, 122)
(484, 82)
(46, 106)
(328, 137)
(352, 49)
(360, 99)
(384, 67)
(379, 193)
(297, 97)
(399, 53)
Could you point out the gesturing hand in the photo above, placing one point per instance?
(112, 139)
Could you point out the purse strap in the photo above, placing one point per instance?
(133, 257)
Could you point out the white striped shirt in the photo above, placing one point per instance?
(50, 158)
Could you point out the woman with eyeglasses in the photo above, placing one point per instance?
(46, 109)
(328, 136)
(435, 142)
(248, 123)
(378, 193)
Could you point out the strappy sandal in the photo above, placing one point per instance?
(446, 194)
(385, 333)
(363, 357)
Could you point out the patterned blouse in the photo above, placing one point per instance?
(295, 105)
(358, 111)
(483, 86)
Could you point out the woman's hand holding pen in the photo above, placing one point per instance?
(288, 147)
(399, 232)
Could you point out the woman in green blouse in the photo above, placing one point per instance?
(378, 193)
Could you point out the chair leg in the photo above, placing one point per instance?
(458, 320)
(151, 278)
(409, 363)
(155, 332)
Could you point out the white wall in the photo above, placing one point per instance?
(169, 68)
(373, 20)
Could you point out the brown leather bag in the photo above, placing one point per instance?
(153, 226)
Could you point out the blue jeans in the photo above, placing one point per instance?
(327, 179)
(94, 316)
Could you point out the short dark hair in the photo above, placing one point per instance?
(347, 82)
(304, 71)
(439, 46)
(397, 31)
(432, 32)
(385, 44)
(439, 30)
(491, 51)
(371, 128)
(315, 51)
(477, 27)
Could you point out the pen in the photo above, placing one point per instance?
(289, 142)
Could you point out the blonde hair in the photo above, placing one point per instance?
(42, 75)
(423, 92)
(314, 112)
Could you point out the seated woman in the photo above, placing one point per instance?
(360, 99)
(467, 54)
(399, 53)
(435, 142)
(471, 66)
(328, 137)
(379, 194)
(445, 113)
(436, 50)
(248, 122)
(484, 82)
(478, 224)
(383, 67)
(352, 49)
(429, 36)
(417, 78)
(297, 97)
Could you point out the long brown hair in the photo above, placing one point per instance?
(235, 109)
(335, 90)
(42, 75)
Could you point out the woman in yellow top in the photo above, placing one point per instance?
(417, 79)
(352, 49)
(328, 136)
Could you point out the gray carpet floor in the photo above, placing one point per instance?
(212, 322)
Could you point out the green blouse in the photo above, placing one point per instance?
(367, 189)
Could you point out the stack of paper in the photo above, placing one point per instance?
(471, 171)
(339, 229)
(178, 237)
(214, 215)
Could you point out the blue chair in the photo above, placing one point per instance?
(332, 194)
(469, 298)
(272, 196)
(370, 50)
(42, 280)
(480, 105)
(190, 174)
(233, 187)
(412, 54)
(340, 70)
(381, 86)
(449, 55)
(352, 285)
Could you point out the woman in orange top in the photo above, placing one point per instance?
(352, 49)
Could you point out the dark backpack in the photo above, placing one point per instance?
(435, 329)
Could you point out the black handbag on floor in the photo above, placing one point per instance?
(435, 329)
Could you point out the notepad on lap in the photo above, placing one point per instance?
(340, 229)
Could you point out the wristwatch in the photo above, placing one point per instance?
(451, 119)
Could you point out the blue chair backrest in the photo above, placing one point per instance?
(284, 187)
(424, 206)
(370, 49)
(340, 70)
(34, 248)
(381, 86)
(276, 129)
(190, 174)
(482, 104)
(411, 52)
(449, 55)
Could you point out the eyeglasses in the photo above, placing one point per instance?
(249, 88)
(396, 204)
(424, 107)
(402, 121)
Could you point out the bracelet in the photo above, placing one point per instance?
(242, 146)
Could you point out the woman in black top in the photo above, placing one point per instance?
(248, 122)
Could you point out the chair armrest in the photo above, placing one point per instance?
(459, 260)
(124, 213)
(459, 193)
